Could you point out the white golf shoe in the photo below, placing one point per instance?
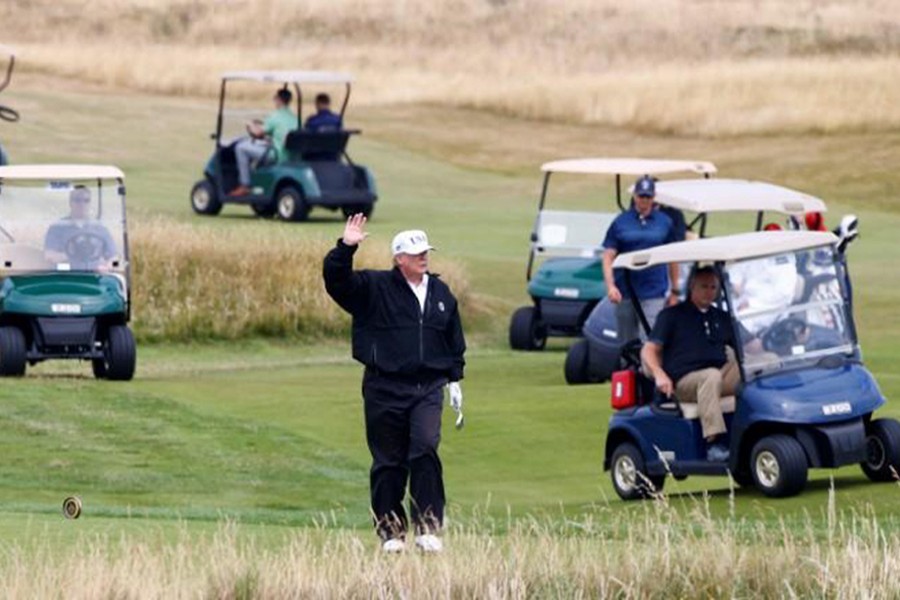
(429, 543)
(393, 546)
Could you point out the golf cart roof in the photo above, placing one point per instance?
(734, 195)
(323, 77)
(627, 166)
(66, 172)
(726, 248)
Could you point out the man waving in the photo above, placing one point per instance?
(407, 332)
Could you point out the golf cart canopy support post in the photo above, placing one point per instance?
(6, 50)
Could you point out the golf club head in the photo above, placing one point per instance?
(460, 420)
(847, 231)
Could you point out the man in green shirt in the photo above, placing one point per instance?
(263, 135)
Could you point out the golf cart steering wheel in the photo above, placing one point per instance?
(85, 247)
(8, 114)
(783, 334)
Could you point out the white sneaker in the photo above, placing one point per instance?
(429, 543)
(393, 546)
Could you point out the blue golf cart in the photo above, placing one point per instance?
(565, 273)
(593, 358)
(806, 400)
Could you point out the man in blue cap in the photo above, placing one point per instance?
(638, 228)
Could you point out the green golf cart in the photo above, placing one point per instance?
(64, 267)
(566, 248)
(314, 171)
(6, 113)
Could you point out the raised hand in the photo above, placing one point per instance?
(354, 231)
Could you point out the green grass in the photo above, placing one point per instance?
(271, 434)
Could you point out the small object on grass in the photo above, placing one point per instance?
(72, 507)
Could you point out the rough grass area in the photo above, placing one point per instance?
(711, 68)
(656, 553)
(193, 283)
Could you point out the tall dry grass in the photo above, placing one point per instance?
(654, 552)
(193, 283)
(713, 67)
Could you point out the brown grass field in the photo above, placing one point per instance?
(710, 67)
(658, 553)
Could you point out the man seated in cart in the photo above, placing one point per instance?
(690, 354)
(79, 240)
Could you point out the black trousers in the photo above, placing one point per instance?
(403, 430)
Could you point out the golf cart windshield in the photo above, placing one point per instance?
(62, 225)
(790, 309)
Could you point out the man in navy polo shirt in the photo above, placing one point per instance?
(639, 228)
(686, 356)
(324, 119)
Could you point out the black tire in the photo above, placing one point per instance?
(119, 354)
(290, 204)
(576, 368)
(263, 211)
(743, 479)
(351, 209)
(98, 366)
(882, 450)
(779, 466)
(12, 352)
(205, 199)
(525, 331)
(629, 476)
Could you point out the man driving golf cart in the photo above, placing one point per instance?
(80, 240)
(266, 139)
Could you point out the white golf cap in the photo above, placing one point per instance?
(413, 241)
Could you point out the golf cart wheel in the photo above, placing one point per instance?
(120, 354)
(779, 466)
(264, 211)
(205, 199)
(882, 450)
(98, 366)
(629, 476)
(353, 209)
(525, 331)
(743, 479)
(12, 352)
(291, 205)
(576, 368)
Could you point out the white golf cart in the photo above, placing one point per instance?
(567, 245)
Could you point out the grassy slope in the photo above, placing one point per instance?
(272, 434)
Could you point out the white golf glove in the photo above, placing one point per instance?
(455, 392)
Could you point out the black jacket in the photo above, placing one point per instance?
(390, 331)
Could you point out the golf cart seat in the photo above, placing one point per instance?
(318, 145)
(691, 411)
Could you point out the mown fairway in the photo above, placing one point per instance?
(270, 432)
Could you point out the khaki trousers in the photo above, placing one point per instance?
(705, 388)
